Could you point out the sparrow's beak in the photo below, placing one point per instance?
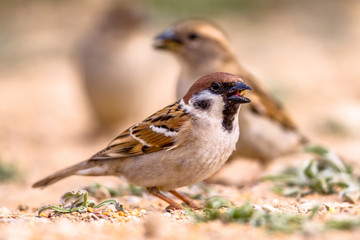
(237, 92)
(167, 40)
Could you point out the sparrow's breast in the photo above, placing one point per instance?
(208, 145)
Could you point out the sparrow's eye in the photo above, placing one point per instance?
(215, 86)
(193, 36)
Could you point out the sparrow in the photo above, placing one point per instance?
(182, 144)
(267, 130)
(104, 63)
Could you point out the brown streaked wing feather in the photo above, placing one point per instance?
(130, 142)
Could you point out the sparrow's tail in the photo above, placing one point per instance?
(87, 168)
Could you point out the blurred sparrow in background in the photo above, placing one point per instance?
(267, 131)
(108, 70)
(183, 143)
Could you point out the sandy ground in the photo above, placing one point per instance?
(46, 122)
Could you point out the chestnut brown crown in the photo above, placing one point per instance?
(206, 81)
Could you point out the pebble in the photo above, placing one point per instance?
(308, 206)
(5, 211)
(257, 207)
(167, 214)
(269, 208)
(133, 200)
(102, 193)
(93, 216)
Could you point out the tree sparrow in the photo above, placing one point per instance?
(182, 144)
(108, 67)
(267, 130)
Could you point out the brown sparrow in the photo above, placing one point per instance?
(267, 130)
(107, 68)
(182, 144)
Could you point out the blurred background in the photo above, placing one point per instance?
(63, 62)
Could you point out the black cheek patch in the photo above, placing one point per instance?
(203, 104)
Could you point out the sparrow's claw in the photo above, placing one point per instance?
(173, 207)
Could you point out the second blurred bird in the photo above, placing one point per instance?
(267, 131)
(108, 68)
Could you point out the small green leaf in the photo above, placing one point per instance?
(317, 149)
(8, 171)
(242, 214)
(217, 202)
(351, 196)
(75, 196)
(321, 186)
(135, 190)
(116, 203)
(346, 224)
(291, 192)
(311, 170)
(314, 211)
(284, 222)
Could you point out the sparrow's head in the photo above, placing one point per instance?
(227, 86)
(194, 40)
(121, 18)
(217, 95)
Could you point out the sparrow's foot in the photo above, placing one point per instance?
(173, 205)
(185, 199)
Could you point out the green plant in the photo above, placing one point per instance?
(78, 202)
(218, 208)
(324, 174)
(343, 224)
(8, 171)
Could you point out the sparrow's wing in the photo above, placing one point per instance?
(264, 104)
(157, 132)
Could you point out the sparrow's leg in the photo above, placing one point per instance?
(185, 199)
(155, 191)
